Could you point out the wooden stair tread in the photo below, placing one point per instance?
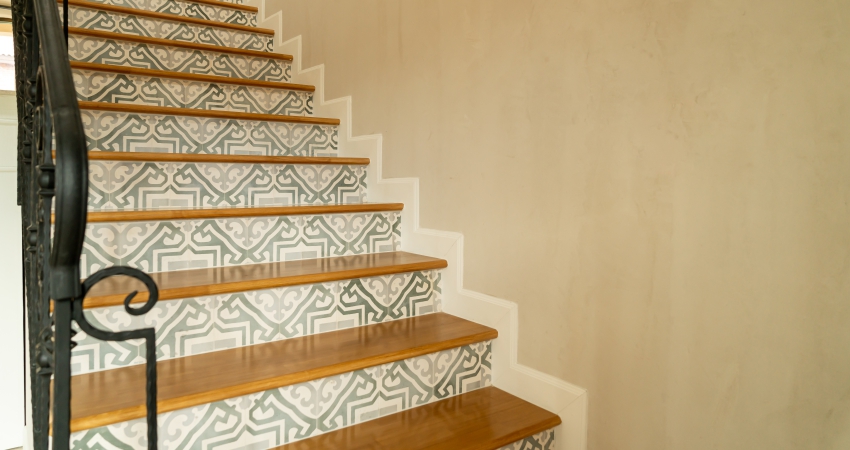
(97, 155)
(483, 419)
(164, 16)
(79, 65)
(237, 211)
(249, 277)
(173, 43)
(209, 377)
(236, 115)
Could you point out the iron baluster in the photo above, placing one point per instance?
(148, 334)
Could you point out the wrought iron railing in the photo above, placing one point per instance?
(52, 193)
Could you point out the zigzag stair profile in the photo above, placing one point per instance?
(289, 316)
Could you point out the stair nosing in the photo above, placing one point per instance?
(174, 43)
(308, 374)
(164, 16)
(127, 70)
(252, 9)
(220, 283)
(546, 421)
(197, 112)
(100, 155)
(233, 212)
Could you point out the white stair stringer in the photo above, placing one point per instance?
(570, 402)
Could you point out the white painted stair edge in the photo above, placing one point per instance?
(556, 395)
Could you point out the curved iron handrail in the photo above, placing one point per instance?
(56, 105)
(71, 176)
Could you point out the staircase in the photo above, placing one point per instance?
(289, 317)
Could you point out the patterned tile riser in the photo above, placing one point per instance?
(127, 132)
(132, 54)
(158, 246)
(544, 440)
(280, 416)
(94, 19)
(189, 9)
(143, 90)
(198, 325)
(125, 185)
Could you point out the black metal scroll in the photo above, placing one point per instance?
(148, 334)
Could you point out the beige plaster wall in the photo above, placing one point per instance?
(662, 186)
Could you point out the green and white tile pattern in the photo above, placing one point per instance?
(198, 325)
(157, 246)
(291, 413)
(544, 440)
(131, 185)
(130, 132)
(189, 9)
(177, 59)
(96, 19)
(155, 91)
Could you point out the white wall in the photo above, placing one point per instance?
(11, 314)
(662, 187)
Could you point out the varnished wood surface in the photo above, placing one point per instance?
(112, 396)
(164, 16)
(213, 158)
(173, 43)
(252, 9)
(484, 419)
(79, 65)
(169, 111)
(223, 280)
(221, 213)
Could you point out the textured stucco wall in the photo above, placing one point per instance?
(662, 186)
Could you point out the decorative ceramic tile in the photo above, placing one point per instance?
(437, 282)
(189, 9)
(209, 12)
(136, 4)
(461, 369)
(198, 325)
(411, 294)
(95, 19)
(127, 132)
(364, 301)
(247, 99)
(248, 318)
(143, 90)
(350, 234)
(157, 246)
(279, 416)
(308, 309)
(128, 185)
(545, 440)
(91, 355)
(363, 395)
(177, 59)
(183, 328)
